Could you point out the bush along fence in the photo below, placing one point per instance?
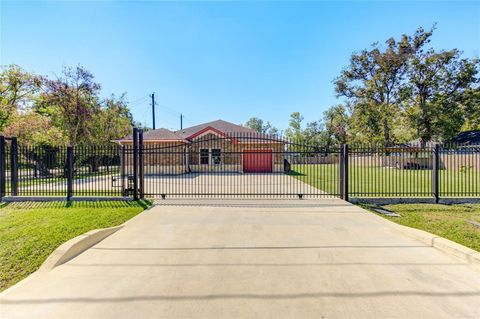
(237, 165)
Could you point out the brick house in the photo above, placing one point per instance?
(217, 146)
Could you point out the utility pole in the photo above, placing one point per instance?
(153, 109)
(181, 121)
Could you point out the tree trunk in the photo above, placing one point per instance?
(386, 132)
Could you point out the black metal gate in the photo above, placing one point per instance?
(232, 165)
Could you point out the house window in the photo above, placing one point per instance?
(216, 156)
(204, 156)
(210, 156)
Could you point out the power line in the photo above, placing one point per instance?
(140, 99)
(154, 103)
(139, 102)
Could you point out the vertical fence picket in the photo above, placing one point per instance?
(435, 171)
(69, 173)
(3, 177)
(141, 174)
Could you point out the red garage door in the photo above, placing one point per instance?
(257, 161)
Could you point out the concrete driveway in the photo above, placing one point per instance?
(280, 259)
(175, 186)
(229, 185)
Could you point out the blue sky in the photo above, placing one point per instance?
(229, 60)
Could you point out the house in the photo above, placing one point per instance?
(217, 146)
(461, 139)
(467, 138)
(405, 156)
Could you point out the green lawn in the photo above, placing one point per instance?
(31, 231)
(322, 176)
(385, 181)
(448, 221)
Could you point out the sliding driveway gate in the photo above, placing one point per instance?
(233, 165)
(237, 165)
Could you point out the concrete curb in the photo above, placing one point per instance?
(76, 246)
(471, 256)
(417, 200)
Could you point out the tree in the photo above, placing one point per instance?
(436, 89)
(258, 125)
(71, 100)
(373, 81)
(111, 121)
(35, 129)
(471, 107)
(17, 88)
(273, 131)
(315, 134)
(294, 132)
(255, 124)
(336, 124)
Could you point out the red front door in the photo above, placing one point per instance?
(257, 161)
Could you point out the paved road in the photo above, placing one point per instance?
(290, 259)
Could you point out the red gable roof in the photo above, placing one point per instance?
(209, 129)
(236, 133)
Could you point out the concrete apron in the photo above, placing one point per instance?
(247, 259)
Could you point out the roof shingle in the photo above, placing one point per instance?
(162, 134)
(220, 125)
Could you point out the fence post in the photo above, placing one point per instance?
(345, 172)
(135, 163)
(122, 169)
(69, 173)
(341, 176)
(14, 166)
(435, 169)
(140, 164)
(3, 177)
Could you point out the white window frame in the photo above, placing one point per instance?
(200, 156)
(210, 156)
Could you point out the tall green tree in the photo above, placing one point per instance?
(17, 90)
(71, 100)
(373, 82)
(471, 107)
(258, 125)
(296, 135)
(314, 133)
(336, 124)
(437, 87)
(255, 124)
(294, 132)
(111, 121)
(32, 128)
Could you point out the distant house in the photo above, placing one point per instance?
(209, 147)
(467, 138)
(462, 138)
(413, 156)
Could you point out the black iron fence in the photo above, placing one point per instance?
(225, 165)
(40, 171)
(442, 170)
